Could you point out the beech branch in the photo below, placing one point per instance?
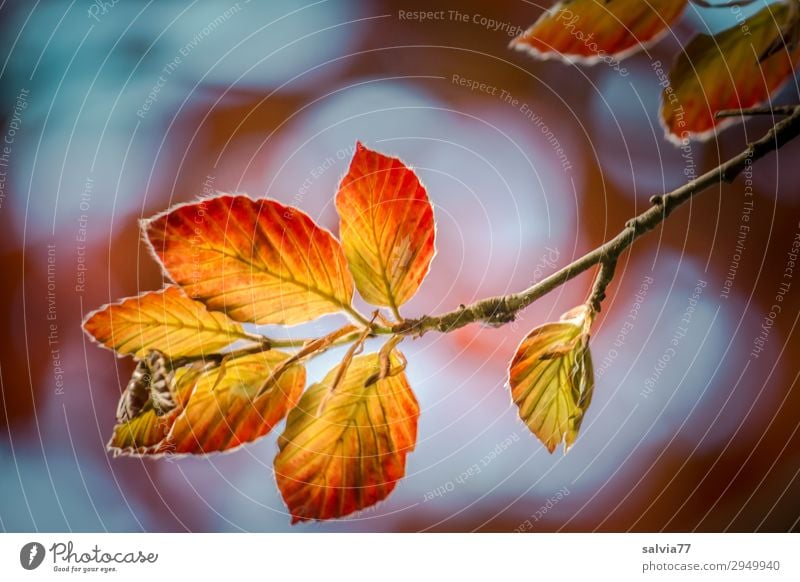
(503, 309)
(778, 110)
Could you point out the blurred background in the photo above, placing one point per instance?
(113, 111)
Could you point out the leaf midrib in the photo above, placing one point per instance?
(263, 269)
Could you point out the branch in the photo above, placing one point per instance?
(779, 110)
(503, 309)
(731, 4)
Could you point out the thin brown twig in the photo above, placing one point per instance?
(780, 110)
(605, 274)
(503, 309)
(731, 4)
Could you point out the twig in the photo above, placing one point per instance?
(361, 318)
(731, 4)
(604, 276)
(779, 110)
(217, 358)
(355, 348)
(503, 309)
(385, 361)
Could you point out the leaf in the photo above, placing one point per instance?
(142, 434)
(165, 320)
(728, 71)
(256, 260)
(222, 413)
(552, 380)
(387, 227)
(217, 408)
(351, 454)
(590, 31)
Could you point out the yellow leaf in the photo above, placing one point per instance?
(552, 379)
(165, 320)
(350, 454)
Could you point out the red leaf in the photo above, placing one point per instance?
(726, 71)
(590, 31)
(351, 454)
(387, 227)
(217, 409)
(256, 260)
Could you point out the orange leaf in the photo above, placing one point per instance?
(217, 408)
(590, 31)
(350, 454)
(165, 320)
(725, 71)
(387, 227)
(552, 380)
(256, 260)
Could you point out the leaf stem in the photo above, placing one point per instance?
(287, 343)
(313, 348)
(605, 274)
(730, 4)
(396, 313)
(355, 348)
(503, 309)
(364, 320)
(218, 357)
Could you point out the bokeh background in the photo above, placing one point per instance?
(114, 111)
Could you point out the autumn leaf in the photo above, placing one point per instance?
(165, 320)
(350, 454)
(387, 227)
(552, 380)
(257, 260)
(141, 435)
(590, 31)
(735, 69)
(217, 408)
